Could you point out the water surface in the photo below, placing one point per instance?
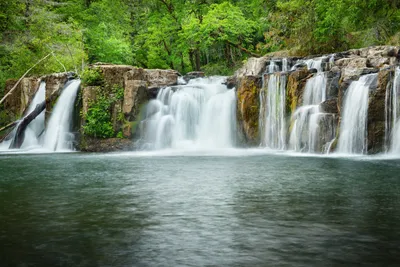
(200, 210)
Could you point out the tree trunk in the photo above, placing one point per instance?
(197, 58)
(243, 49)
(20, 132)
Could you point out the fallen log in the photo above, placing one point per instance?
(20, 132)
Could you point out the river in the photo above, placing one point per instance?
(234, 208)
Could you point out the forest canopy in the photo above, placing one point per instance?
(186, 35)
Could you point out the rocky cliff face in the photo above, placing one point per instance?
(17, 103)
(340, 70)
(130, 89)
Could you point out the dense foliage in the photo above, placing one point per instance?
(211, 35)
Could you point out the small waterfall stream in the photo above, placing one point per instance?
(395, 114)
(58, 135)
(272, 107)
(304, 134)
(36, 127)
(200, 114)
(353, 128)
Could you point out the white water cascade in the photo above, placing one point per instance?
(198, 115)
(58, 135)
(395, 114)
(36, 127)
(353, 127)
(272, 107)
(304, 133)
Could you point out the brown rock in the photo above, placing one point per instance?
(160, 78)
(352, 63)
(376, 112)
(295, 87)
(135, 94)
(330, 106)
(105, 145)
(248, 108)
(253, 67)
(113, 74)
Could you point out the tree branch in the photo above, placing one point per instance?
(20, 79)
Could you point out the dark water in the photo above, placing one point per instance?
(261, 210)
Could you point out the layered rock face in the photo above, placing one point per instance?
(130, 88)
(17, 103)
(339, 71)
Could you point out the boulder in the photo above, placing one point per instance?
(330, 106)
(193, 75)
(295, 87)
(19, 100)
(376, 124)
(253, 67)
(231, 82)
(160, 78)
(352, 63)
(332, 84)
(135, 93)
(106, 145)
(113, 74)
(247, 111)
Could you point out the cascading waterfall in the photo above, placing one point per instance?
(353, 127)
(199, 115)
(58, 135)
(36, 127)
(272, 109)
(395, 113)
(304, 134)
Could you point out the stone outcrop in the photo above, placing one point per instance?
(341, 69)
(248, 106)
(295, 88)
(106, 145)
(193, 75)
(130, 88)
(376, 111)
(17, 103)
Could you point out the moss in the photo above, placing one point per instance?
(92, 77)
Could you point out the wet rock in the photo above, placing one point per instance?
(376, 112)
(332, 84)
(330, 106)
(295, 87)
(19, 100)
(328, 124)
(193, 75)
(247, 112)
(135, 95)
(231, 82)
(106, 145)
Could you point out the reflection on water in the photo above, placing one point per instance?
(260, 210)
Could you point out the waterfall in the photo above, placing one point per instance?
(200, 115)
(304, 135)
(58, 132)
(36, 127)
(395, 113)
(272, 112)
(272, 119)
(353, 127)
